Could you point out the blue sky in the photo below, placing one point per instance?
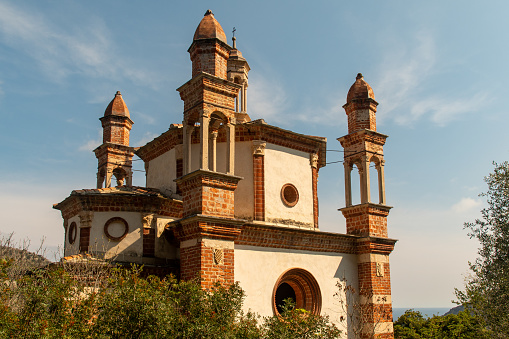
(438, 70)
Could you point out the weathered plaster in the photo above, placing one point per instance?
(284, 165)
(258, 268)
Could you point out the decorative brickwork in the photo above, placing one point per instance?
(296, 239)
(84, 239)
(149, 238)
(366, 220)
(209, 51)
(208, 193)
(314, 173)
(198, 236)
(363, 146)
(114, 155)
(197, 262)
(306, 289)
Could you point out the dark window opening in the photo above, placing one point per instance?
(283, 292)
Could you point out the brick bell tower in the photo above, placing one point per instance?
(208, 227)
(363, 147)
(114, 155)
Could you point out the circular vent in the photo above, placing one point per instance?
(289, 195)
(73, 231)
(116, 229)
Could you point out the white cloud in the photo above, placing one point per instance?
(148, 136)
(61, 52)
(92, 144)
(266, 99)
(26, 210)
(467, 205)
(404, 71)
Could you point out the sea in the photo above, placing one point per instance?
(426, 312)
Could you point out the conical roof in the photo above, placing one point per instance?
(117, 107)
(209, 28)
(360, 90)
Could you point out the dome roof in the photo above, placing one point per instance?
(209, 28)
(360, 90)
(117, 107)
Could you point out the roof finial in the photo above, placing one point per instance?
(208, 12)
(359, 76)
(233, 38)
(118, 93)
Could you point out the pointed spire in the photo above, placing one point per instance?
(209, 28)
(117, 107)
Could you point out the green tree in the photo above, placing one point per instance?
(487, 291)
(86, 300)
(464, 325)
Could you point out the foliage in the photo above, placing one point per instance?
(412, 325)
(95, 300)
(299, 324)
(487, 291)
(358, 314)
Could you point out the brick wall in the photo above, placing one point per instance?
(197, 262)
(366, 220)
(209, 56)
(208, 193)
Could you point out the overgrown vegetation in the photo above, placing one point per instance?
(464, 325)
(96, 300)
(486, 293)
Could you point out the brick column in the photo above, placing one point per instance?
(209, 228)
(149, 235)
(366, 219)
(314, 172)
(85, 226)
(259, 179)
(375, 287)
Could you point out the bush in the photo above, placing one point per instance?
(98, 301)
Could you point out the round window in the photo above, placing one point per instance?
(73, 231)
(301, 287)
(116, 229)
(289, 195)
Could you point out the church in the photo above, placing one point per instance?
(229, 199)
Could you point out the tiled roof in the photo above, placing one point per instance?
(121, 190)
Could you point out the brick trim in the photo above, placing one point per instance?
(259, 187)
(306, 288)
(121, 202)
(314, 174)
(296, 239)
(84, 239)
(149, 239)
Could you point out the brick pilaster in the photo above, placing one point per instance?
(375, 287)
(85, 226)
(259, 179)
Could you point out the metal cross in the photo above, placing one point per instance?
(234, 32)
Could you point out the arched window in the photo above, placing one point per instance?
(299, 285)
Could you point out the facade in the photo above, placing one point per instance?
(221, 205)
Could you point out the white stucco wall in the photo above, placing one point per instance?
(244, 194)
(284, 165)
(70, 249)
(257, 269)
(162, 171)
(128, 249)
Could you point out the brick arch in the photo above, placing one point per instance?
(306, 288)
(217, 119)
